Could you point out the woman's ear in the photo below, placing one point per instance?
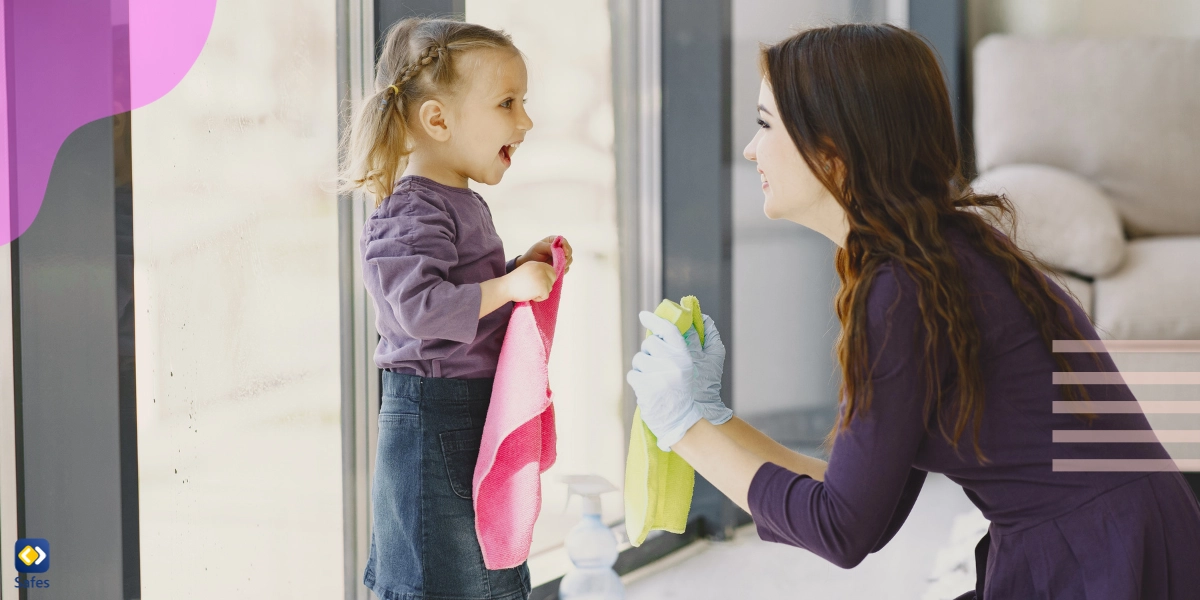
(833, 166)
(432, 119)
(839, 170)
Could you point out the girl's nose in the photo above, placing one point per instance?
(748, 151)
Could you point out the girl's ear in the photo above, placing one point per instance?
(431, 118)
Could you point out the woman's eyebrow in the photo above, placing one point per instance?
(762, 108)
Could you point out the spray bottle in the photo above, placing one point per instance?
(591, 546)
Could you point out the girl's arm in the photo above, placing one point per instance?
(494, 294)
(530, 281)
(411, 252)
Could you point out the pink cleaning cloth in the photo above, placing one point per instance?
(518, 435)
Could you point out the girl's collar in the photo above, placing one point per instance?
(425, 181)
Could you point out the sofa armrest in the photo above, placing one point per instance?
(1063, 219)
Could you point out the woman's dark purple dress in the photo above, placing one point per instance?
(1058, 535)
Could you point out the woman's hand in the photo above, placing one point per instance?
(543, 252)
(662, 380)
(709, 362)
(530, 281)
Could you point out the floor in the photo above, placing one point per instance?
(750, 568)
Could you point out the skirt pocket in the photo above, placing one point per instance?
(460, 450)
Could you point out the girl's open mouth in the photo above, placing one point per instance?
(506, 152)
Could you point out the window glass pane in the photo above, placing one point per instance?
(563, 182)
(784, 376)
(236, 283)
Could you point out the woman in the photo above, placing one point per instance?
(945, 350)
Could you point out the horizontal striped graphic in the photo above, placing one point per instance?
(1129, 378)
(1179, 407)
(1115, 464)
(1127, 436)
(1126, 346)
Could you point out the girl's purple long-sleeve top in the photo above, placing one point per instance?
(1055, 533)
(426, 249)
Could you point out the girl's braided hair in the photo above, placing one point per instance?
(418, 62)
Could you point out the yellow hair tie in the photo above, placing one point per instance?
(395, 90)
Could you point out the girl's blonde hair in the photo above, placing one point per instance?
(418, 62)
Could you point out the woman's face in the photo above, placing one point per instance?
(792, 191)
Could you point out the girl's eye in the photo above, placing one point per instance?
(507, 103)
(762, 124)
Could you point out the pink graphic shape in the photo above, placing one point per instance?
(165, 38)
(1126, 378)
(5, 214)
(1140, 465)
(1126, 436)
(1175, 407)
(1126, 346)
(70, 62)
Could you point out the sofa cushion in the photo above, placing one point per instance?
(1155, 295)
(1122, 113)
(1062, 218)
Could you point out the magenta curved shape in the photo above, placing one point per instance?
(67, 63)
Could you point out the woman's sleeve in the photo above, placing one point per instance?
(870, 484)
(412, 253)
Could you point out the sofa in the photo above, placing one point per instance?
(1097, 145)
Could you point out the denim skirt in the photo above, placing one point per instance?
(423, 544)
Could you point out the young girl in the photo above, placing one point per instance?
(447, 107)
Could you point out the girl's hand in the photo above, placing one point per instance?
(530, 281)
(543, 252)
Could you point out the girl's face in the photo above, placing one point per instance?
(490, 115)
(791, 189)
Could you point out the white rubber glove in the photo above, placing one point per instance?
(662, 380)
(709, 363)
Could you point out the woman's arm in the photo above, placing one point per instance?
(720, 459)
(729, 456)
(869, 484)
(772, 451)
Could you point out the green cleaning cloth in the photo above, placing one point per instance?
(658, 485)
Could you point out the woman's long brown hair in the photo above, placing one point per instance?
(871, 99)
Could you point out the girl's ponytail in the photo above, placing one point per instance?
(416, 64)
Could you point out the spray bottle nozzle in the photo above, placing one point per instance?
(589, 488)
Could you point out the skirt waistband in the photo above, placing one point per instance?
(403, 385)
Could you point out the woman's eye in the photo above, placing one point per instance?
(762, 124)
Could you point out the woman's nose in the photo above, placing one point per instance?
(749, 152)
